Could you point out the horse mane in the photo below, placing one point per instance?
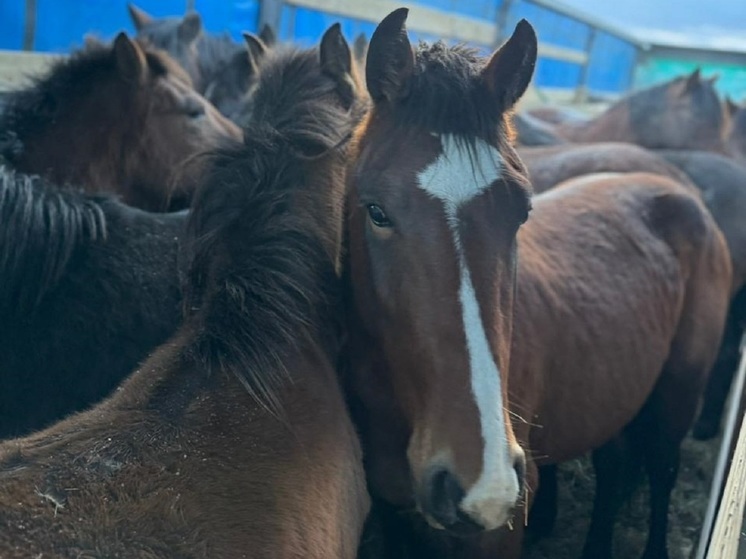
(261, 283)
(42, 227)
(30, 110)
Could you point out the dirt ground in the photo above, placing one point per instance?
(689, 502)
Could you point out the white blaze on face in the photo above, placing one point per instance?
(455, 178)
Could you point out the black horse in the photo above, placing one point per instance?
(89, 287)
(219, 67)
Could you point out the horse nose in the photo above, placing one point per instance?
(442, 496)
(519, 465)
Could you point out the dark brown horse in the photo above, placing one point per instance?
(233, 440)
(115, 119)
(479, 351)
(720, 182)
(684, 113)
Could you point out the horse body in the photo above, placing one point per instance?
(549, 166)
(90, 287)
(147, 474)
(233, 439)
(721, 182)
(116, 119)
(563, 319)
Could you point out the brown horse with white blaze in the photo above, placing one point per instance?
(462, 322)
(466, 465)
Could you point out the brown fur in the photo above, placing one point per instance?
(233, 440)
(117, 119)
(549, 166)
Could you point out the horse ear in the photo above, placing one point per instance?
(713, 79)
(730, 106)
(256, 49)
(336, 61)
(190, 28)
(334, 53)
(267, 35)
(130, 58)
(511, 67)
(359, 47)
(390, 62)
(140, 18)
(693, 80)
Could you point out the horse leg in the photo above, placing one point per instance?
(543, 513)
(608, 463)
(718, 384)
(659, 429)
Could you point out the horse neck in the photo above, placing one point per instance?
(612, 125)
(81, 152)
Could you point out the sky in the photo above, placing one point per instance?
(719, 24)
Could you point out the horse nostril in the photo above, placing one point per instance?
(445, 493)
(519, 465)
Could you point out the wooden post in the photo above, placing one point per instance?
(29, 30)
(581, 90)
(727, 533)
(502, 22)
(735, 490)
(270, 12)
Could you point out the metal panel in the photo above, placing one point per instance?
(11, 24)
(234, 17)
(61, 25)
(611, 63)
(421, 18)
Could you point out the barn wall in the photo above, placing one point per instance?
(574, 55)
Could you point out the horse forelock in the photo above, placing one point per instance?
(42, 227)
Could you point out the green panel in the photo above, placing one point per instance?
(732, 80)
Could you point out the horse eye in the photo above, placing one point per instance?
(194, 109)
(378, 216)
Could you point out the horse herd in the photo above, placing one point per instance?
(265, 301)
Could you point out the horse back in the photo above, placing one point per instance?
(610, 268)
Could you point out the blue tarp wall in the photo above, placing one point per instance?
(62, 24)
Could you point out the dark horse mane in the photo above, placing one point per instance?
(41, 227)
(30, 110)
(260, 274)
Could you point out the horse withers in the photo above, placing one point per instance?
(233, 439)
(119, 119)
(469, 333)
